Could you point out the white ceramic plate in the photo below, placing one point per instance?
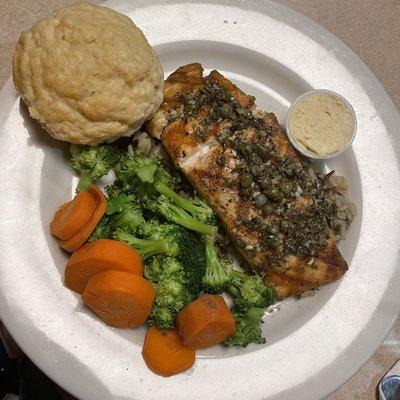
(314, 344)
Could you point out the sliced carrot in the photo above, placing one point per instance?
(97, 256)
(83, 234)
(165, 353)
(205, 322)
(120, 299)
(73, 215)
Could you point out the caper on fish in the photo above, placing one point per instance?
(268, 209)
(284, 225)
(245, 179)
(262, 151)
(226, 111)
(260, 200)
(265, 183)
(256, 170)
(247, 192)
(248, 148)
(274, 194)
(279, 211)
(286, 187)
(272, 228)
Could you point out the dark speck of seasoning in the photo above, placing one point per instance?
(221, 161)
(234, 22)
(200, 136)
(225, 21)
(183, 153)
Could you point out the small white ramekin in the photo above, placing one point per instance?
(299, 147)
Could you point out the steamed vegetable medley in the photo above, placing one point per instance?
(152, 254)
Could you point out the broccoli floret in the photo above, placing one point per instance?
(138, 173)
(202, 211)
(250, 294)
(196, 207)
(249, 291)
(171, 212)
(116, 189)
(123, 212)
(248, 328)
(217, 275)
(172, 294)
(162, 316)
(126, 213)
(119, 202)
(154, 268)
(150, 228)
(148, 179)
(93, 162)
(189, 250)
(174, 241)
(161, 266)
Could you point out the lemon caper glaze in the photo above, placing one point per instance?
(272, 183)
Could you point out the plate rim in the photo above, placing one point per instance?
(371, 78)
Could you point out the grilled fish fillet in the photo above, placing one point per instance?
(194, 141)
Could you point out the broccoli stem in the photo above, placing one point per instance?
(186, 204)
(235, 282)
(85, 181)
(211, 254)
(195, 225)
(181, 217)
(237, 275)
(216, 276)
(233, 291)
(146, 247)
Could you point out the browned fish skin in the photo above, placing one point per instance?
(211, 168)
